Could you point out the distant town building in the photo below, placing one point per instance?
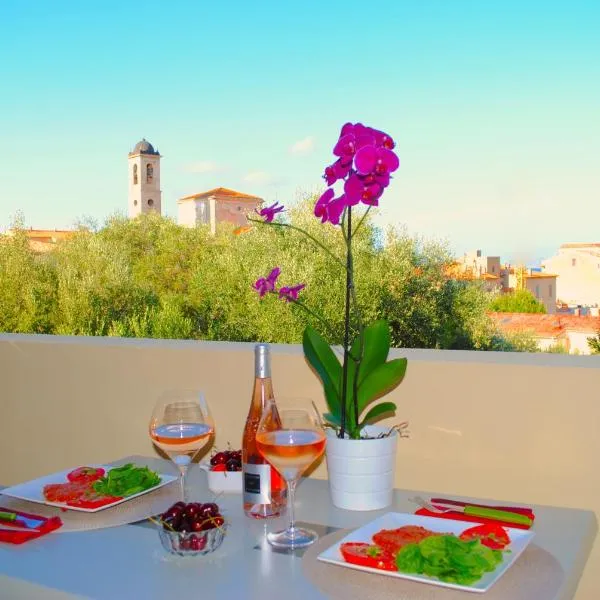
(479, 265)
(578, 270)
(144, 180)
(44, 240)
(216, 206)
(542, 285)
(506, 279)
(569, 331)
(474, 265)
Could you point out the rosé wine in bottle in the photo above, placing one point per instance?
(264, 488)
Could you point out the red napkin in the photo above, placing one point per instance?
(19, 537)
(460, 516)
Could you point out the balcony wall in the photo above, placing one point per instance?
(513, 427)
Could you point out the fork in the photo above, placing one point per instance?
(476, 511)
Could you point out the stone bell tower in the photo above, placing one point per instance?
(144, 180)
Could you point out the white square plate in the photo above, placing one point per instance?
(520, 539)
(33, 490)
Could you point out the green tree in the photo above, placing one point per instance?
(27, 285)
(594, 343)
(149, 277)
(519, 301)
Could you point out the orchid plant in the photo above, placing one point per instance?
(365, 161)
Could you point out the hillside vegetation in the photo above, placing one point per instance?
(149, 277)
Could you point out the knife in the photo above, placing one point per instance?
(516, 509)
(19, 520)
(488, 513)
(17, 528)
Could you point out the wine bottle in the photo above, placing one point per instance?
(264, 488)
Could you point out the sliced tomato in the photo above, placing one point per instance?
(64, 492)
(392, 540)
(85, 474)
(491, 535)
(368, 555)
(92, 499)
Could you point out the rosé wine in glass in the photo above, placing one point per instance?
(294, 444)
(291, 451)
(181, 425)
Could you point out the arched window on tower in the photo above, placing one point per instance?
(149, 173)
(135, 175)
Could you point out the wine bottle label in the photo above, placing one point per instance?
(257, 483)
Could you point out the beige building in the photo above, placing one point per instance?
(144, 180)
(542, 285)
(578, 270)
(216, 206)
(474, 265)
(478, 265)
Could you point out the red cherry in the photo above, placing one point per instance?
(197, 543)
(185, 525)
(218, 521)
(184, 544)
(210, 509)
(219, 467)
(233, 465)
(197, 524)
(190, 511)
(220, 458)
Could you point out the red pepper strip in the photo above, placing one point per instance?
(491, 535)
(368, 555)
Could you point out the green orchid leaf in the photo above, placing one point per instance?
(332, 419)
(378, 411)
(333, 402)
(376, 346)
(322, 359)
(381, 381)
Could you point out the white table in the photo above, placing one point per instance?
(128, 561)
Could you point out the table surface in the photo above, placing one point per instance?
(128, 561)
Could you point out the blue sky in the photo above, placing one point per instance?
(494, 105)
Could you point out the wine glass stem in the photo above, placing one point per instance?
(182, 472)
(291, 486)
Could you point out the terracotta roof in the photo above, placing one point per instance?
(539, 275)
(46, 233)
(580, 245)
(542, 325)
(221, 191)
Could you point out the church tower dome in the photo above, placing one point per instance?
(144, 180)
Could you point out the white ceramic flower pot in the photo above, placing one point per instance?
(361, 472)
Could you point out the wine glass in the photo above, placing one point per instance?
(290, 436)
(180, 426)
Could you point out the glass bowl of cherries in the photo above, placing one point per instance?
(190, 529)
(224, 471)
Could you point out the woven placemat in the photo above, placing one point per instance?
(136, 509)
(535, 574)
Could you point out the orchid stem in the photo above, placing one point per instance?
(349, 283)
(308, 235)
(361, 221)
(312, 313)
